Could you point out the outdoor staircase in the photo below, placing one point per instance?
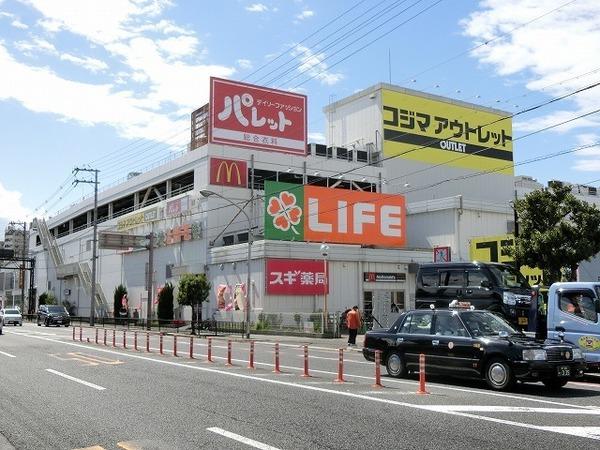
(80, 269)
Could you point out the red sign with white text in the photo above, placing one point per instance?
(297, 277)
(257, 117)
(228, 172)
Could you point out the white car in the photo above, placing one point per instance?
(13, 315)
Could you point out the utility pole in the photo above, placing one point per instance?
(150, 281)
(94, 239)
(24, 254)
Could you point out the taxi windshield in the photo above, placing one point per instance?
(509, 277)
(481, 323)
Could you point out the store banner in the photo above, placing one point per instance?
(257, 117)
(178, 206)
(228, 172)
(438, 131)
(310, 213)
(296, 277)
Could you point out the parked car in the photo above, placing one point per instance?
(470, 343)
(13, 316)
(53, 315)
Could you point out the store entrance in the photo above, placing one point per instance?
(386, 306)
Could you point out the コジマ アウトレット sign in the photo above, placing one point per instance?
(257, 117)
(310, 213)
(296, 277)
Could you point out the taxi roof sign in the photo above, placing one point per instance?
(455, 304)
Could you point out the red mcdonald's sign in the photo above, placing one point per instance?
(228, 172)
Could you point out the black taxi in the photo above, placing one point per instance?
(468, 343)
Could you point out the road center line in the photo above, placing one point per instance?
(77, 380)
(242, 439)
(7, 354)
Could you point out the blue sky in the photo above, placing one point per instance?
(112, 83)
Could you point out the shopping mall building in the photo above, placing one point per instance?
(405, 178)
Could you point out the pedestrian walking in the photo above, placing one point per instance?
(353, 322)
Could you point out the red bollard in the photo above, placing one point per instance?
(73, 333)
(251, 359)
(378, 369)
(229, 353)
(114, 338)
(80, 334)
(422, 389)
(160, 345)
(191, 347)
(174, 345)
(340, 375)
(124, 339)
(306, 374)
(209, 355)
(276, 370)
(96, 338)
(105, 336)
(135, 340)
(148, 342)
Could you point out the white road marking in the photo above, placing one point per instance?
(77, 380)
(242, 439)
(587, 432)
(510, 409)
(336, 359)
(7, 354)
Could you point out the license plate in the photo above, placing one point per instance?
(522, 321)
(563, 371)
(59, 321)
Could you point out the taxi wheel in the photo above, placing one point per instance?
(395, 365)
(554, 384)
(498, 375)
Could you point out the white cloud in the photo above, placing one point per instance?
(312, 64)
(92, 64)
(244, 63)
(158, 74)
(305, 14)
(10, 205)
(257, 7)
(18, 24)
(587, 165)
(553, 54)
(316, 137)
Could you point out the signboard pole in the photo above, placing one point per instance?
(150, 280)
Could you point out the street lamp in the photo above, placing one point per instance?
(207, 193)
(325, 253)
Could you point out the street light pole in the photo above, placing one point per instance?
(207, 193)
(325, 253)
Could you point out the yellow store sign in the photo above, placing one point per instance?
(496, 249)
(440, 132)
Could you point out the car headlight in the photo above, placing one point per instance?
(577, 353)
(509, 298)
(536, 354)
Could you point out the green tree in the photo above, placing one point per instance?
(556, 232)
(194, 289)
(120, 291)
(47, 298)
(165, 302)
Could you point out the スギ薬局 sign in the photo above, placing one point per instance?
(296, 277)
(256, 117)
(319, 214)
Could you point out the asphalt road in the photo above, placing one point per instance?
(57, 393)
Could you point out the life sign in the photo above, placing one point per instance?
(319, 214)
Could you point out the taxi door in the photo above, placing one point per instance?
(452, 349)
(414, 337)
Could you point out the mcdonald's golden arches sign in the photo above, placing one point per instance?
(228, 172)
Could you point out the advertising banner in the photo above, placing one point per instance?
(257, 117)
(228, 172)
(178, 206)
(296, 277)
(319, 214)
(440, 132)
(496, 249)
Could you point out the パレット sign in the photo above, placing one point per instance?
(257, 117)
(296, 277)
